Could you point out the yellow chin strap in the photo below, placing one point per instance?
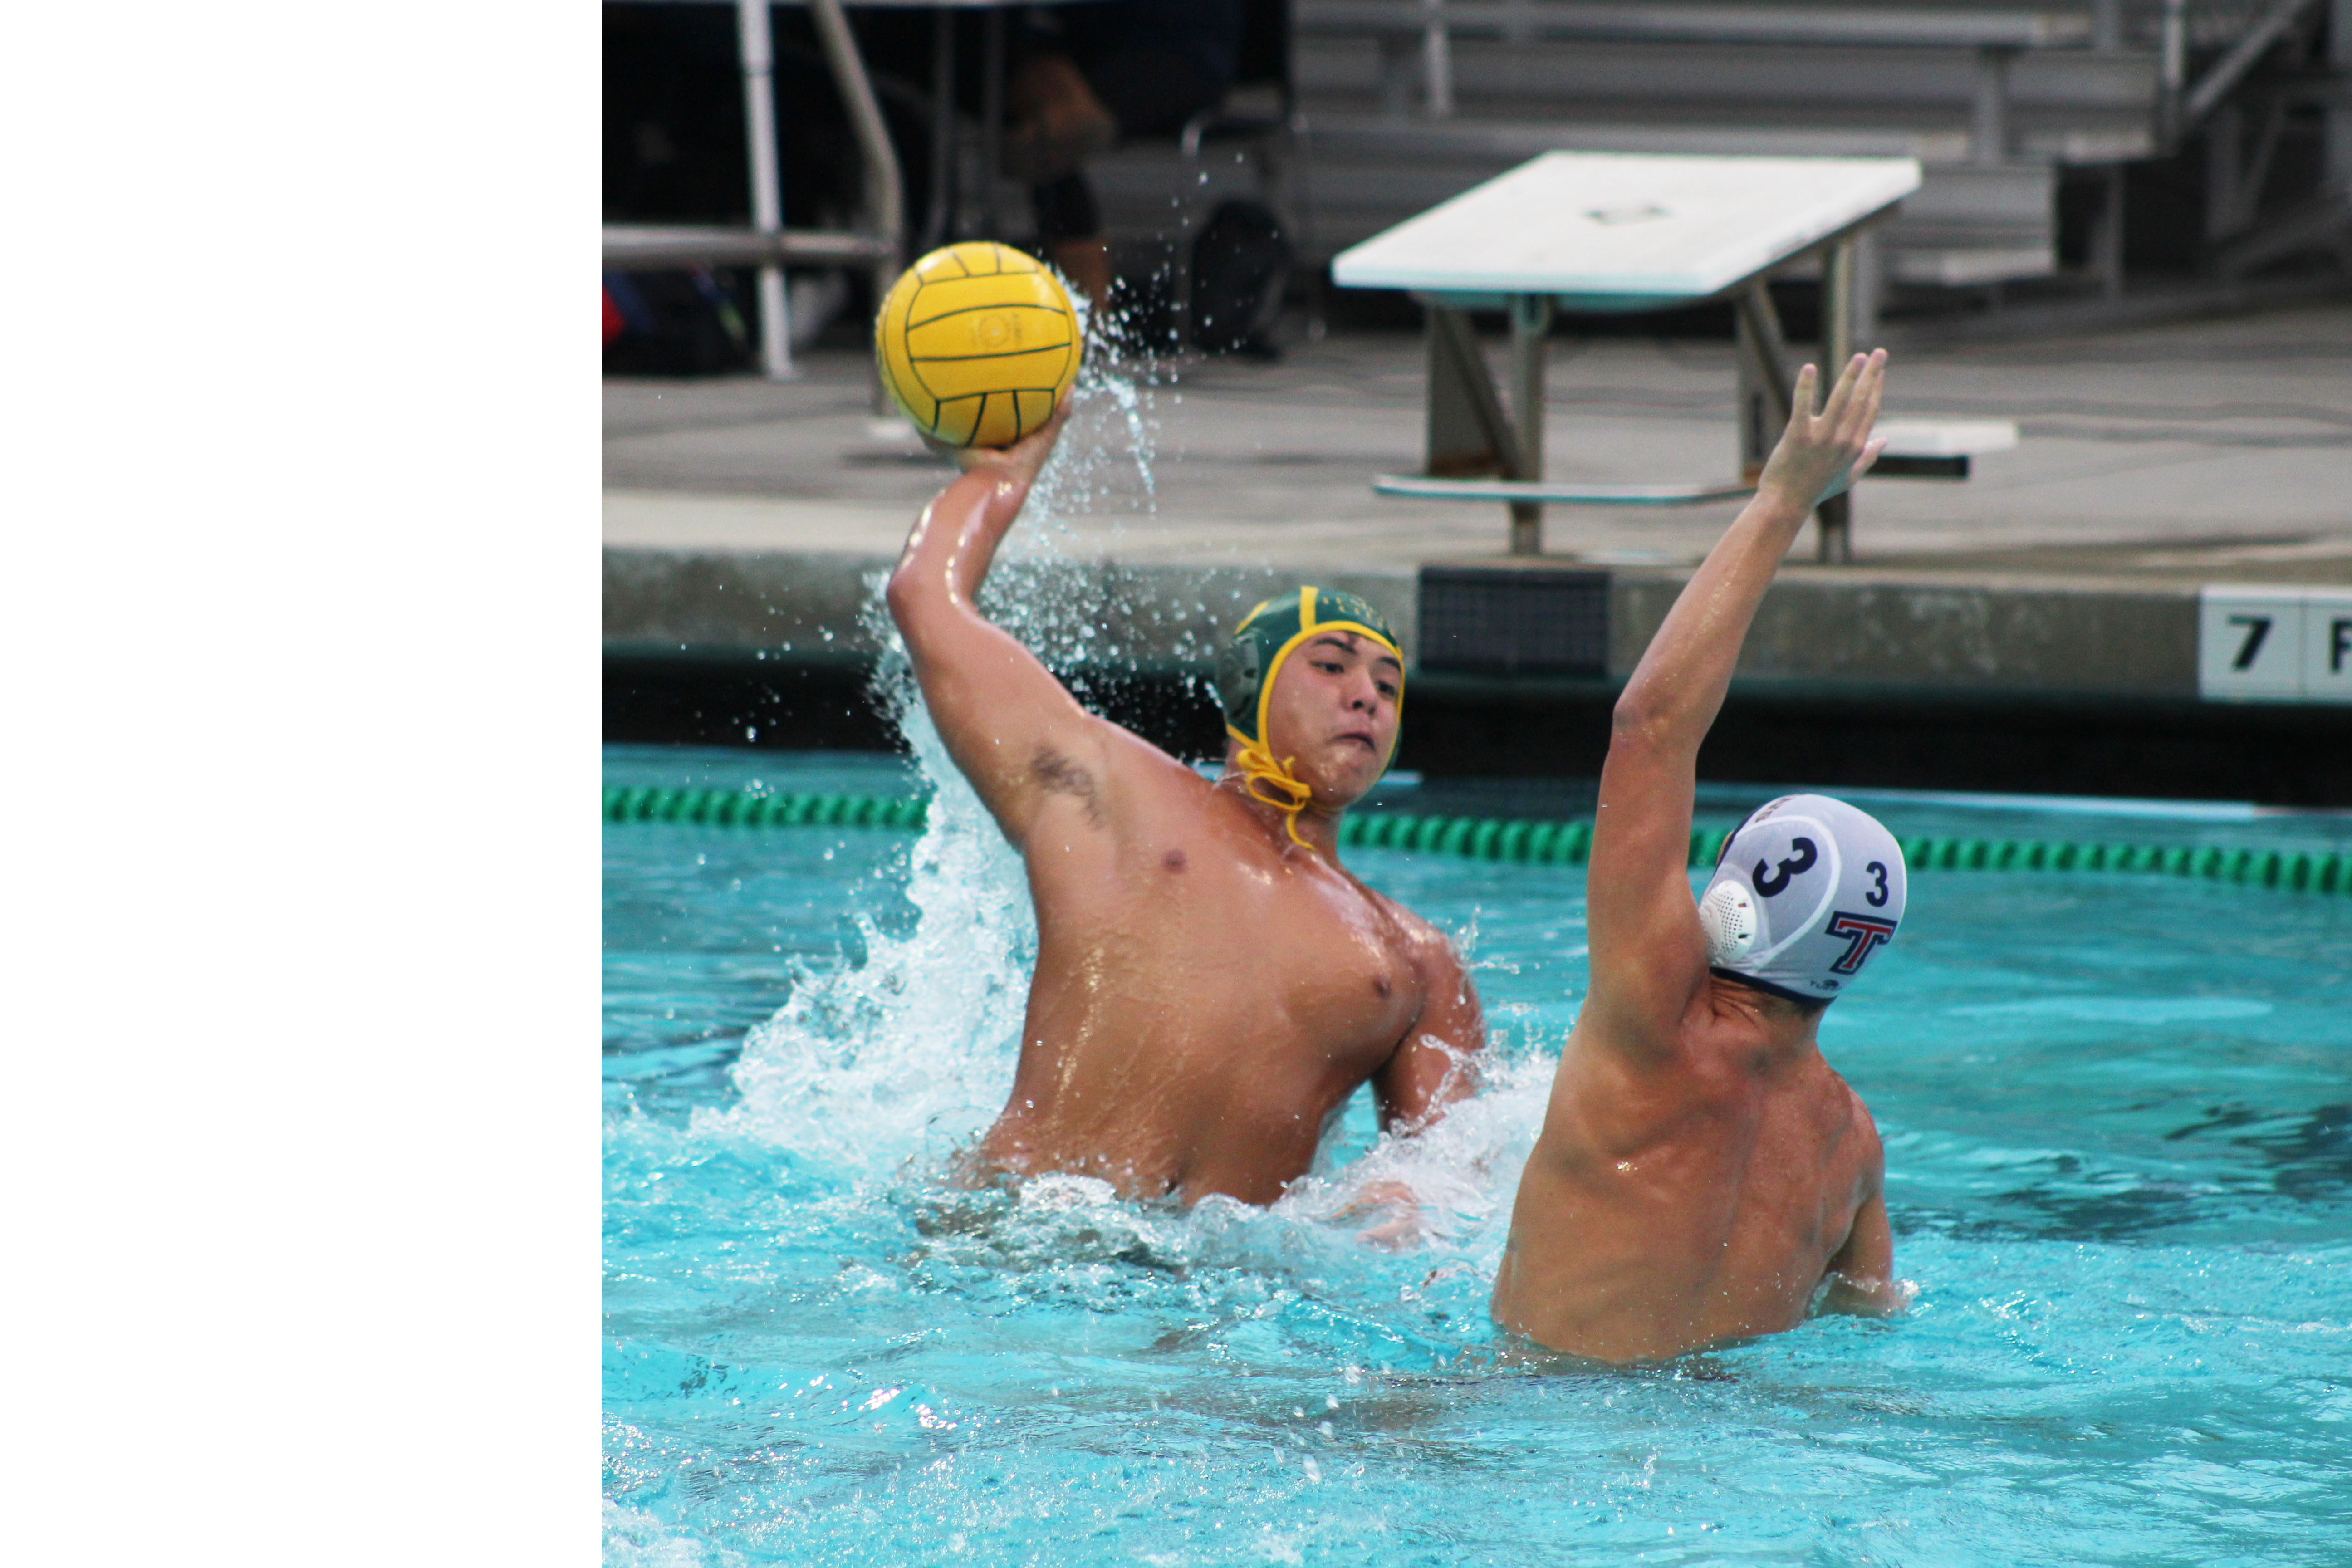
(1291, 795)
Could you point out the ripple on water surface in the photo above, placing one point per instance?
(2119, 1139)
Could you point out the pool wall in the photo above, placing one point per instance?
(1852, 677)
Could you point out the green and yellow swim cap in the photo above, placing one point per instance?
(1247, 665)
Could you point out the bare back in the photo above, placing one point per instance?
(1689, 1200)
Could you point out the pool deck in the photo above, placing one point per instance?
(744, 519)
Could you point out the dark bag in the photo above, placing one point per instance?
(1241, 265)
(674, 323)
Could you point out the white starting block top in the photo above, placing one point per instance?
(1925, 435)
(1624, 231)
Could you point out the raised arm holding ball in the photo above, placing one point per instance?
(1212, 985)
(1702, 1174)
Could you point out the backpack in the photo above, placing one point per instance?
(1241, 265)
(677, 322)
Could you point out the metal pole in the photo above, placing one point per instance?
(2108, 237)
(991, 116)
(1833, 530)
(1436, 61)
(1530, 320)
(878, 160)
(767, 180)
(940, 217)
(2173, 74)
(2338, 155)
(1869, 282)
(1989, 130)
(1833, 535)
(1837, 308)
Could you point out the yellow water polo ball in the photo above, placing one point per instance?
(978, 342)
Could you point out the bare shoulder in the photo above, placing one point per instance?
(1411, 929)
(1131, 752)
(1430, 951)
(1435, 1060)
(1863, 1130)
(1150, 773)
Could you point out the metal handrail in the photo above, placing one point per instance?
(630, 246)
(1956, 27)
(885, 191)
(767, 243)
(2241, 58)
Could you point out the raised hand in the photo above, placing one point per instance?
(1820, 454)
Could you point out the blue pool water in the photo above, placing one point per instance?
(2118, 1120)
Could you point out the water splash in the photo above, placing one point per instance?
(907, 1055)
(1462, 1169)
(636, 1539)
(1050, 586)
(880, 1071)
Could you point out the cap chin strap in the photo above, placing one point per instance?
(1767, 986)
(1290, 795)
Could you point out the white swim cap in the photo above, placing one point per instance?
(1807, 889)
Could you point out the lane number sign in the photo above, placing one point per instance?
(2274, 645)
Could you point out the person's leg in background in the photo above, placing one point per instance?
(1069, 231)
(1108, 72)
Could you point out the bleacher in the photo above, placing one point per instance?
(1398, 104)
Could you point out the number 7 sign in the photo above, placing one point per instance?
(2274, 645)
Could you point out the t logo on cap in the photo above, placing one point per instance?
(1779, 912)
(1863, 934)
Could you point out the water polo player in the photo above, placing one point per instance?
(1701, 1174)
(1212, 984)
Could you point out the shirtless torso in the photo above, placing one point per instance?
(1207, 991)
(1701, 1174)
(1698, 1195)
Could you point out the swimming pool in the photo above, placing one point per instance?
(2118, 1119)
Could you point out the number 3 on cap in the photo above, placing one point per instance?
(1770, 884)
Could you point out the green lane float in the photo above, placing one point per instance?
(741, 808)
(1521, 842)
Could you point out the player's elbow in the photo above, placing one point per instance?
(919, 607)
(1641, 716)
(1631, 716)
(913, 596)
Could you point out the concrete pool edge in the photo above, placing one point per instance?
(1874, 627)
(1853, 676)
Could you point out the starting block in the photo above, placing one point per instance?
(1939, 449)
(1615, 232)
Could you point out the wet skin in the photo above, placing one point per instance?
(1207, 993)
(1702, 1174)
